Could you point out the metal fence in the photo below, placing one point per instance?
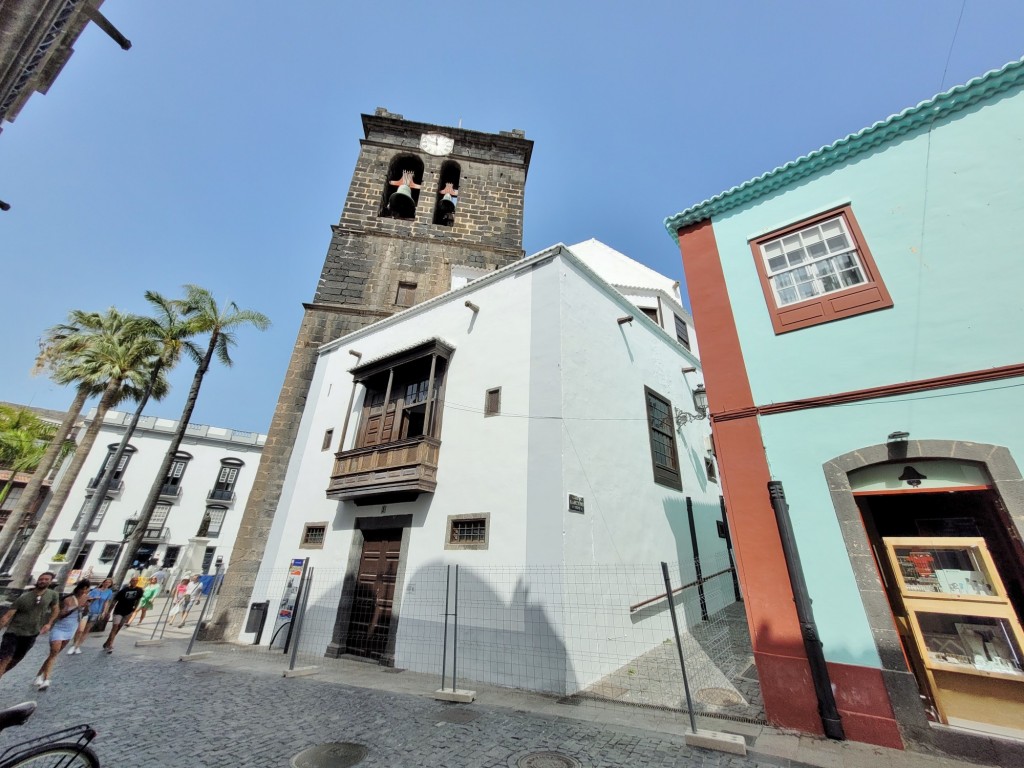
(588, 635)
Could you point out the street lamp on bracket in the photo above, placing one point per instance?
(700, 404)
(129, 528)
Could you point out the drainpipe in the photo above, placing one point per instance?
(830, 719)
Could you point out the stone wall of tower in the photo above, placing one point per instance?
(368, 256)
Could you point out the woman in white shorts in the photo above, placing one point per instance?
(63, 630)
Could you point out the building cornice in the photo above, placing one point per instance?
(943, 105)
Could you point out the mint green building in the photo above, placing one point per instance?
(862, 334)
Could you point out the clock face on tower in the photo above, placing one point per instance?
(436, 144)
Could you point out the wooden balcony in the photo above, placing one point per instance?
(391, 472)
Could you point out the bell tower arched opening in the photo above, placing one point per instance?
(402, 188)
(447, 193)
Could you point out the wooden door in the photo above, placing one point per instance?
(370, 621)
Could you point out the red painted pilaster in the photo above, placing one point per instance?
(768, 597)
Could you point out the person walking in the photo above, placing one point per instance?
(149, 594)
(63, 630)
(193, 590)
(161, 577)
(124, 604)
(31, 613)
(99, 605)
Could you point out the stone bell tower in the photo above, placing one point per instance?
(429, 207)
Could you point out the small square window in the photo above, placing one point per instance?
(313, 535)
(328, 437)
(468, 532)
(818, 270)
(109, 553)
(651, 312)
(492, 402)
(406, 295)
(710, 469)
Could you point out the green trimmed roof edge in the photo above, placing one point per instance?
(954, 100)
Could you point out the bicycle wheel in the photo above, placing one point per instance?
(64, 755)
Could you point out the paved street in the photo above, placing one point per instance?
(153, 710)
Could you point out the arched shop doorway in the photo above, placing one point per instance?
(945, 550)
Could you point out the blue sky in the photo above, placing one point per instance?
(219, 149)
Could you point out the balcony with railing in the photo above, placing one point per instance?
(161, 533)
(170, 492)
(391, 472)
(115, 489)
(221, 496)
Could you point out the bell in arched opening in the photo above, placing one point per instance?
(401, 203)
(447, 194)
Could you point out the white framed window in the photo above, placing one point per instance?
(157, 520)
(214, 521)
(100, 513)
(816, 260)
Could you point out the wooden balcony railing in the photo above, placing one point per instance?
(403, 469)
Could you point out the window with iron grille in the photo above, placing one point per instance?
(108, 553)
(313, 535)
(661, 429)
(492, 402)
(468, 532)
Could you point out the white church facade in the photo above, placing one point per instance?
(533, 420)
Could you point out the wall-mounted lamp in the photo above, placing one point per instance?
(472, 306)
(625, 319)
(690, 369)
(356, 355)
(700, 404)
(896, 445)
(912, 477)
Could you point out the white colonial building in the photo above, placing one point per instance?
(526, 423)
(653, 294)
(195, 521)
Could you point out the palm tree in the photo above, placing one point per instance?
(61, 361)
(107, 350)
(24, 438)
(169, 333)
(202, 310)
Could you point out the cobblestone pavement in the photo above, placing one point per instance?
(152, 710)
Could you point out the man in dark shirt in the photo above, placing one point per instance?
(124, 604)
(30, 614)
